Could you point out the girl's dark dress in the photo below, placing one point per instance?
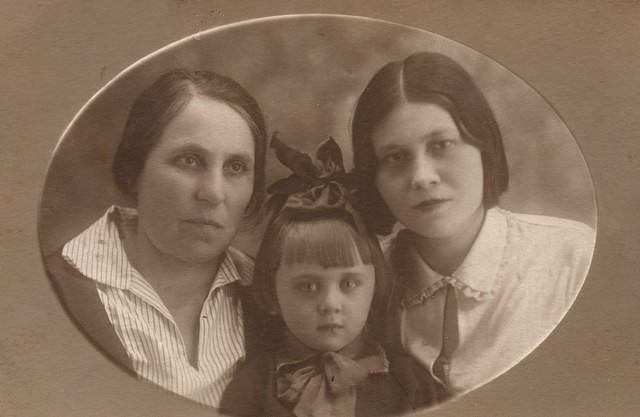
(403, 387)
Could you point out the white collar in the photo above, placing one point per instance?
(475, 277)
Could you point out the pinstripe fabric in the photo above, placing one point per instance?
(145, 327)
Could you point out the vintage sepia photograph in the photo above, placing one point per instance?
(317, 215)
(303, 208)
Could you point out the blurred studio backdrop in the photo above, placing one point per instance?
(306, 72)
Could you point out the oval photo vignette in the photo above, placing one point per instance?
(306, 72)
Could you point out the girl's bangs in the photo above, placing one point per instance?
(327, 243)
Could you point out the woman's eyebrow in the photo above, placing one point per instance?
(438, 133)
(196, 147)
(190, 147)
(389, 147)
(393, 144)
(240, 155)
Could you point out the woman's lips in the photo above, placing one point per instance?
(431, 204)
(202, 222)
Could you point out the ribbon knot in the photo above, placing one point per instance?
(342, 373)
(315, 183)
(324, 385)
(328, 195)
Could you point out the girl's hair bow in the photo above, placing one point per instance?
(317, 183)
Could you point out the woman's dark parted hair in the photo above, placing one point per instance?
(431, 78)
(162, 101)
(327, 238)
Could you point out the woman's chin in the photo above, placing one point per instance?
(201, 254)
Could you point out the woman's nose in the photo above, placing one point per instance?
(424, 173)
(211, 187)
(330, 301)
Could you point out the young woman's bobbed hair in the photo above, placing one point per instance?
(425, 78)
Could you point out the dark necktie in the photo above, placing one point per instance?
(450, 336)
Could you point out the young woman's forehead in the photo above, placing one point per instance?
(409, 123)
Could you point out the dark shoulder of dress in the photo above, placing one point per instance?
(79, 296)
(421, 389)
(406, 387)
(247, 392)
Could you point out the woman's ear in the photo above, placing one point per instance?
(274, 308)
(131, 192)
(132, 187)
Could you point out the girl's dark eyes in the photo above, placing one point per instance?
(347, 284)
(350, 284)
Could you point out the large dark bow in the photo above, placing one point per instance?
(316, 183)
(324, 385)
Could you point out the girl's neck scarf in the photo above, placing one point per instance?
(313, 384)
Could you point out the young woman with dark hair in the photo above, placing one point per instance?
(478, 287)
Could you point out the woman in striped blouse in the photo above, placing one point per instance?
(156, 285)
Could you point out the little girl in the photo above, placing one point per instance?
(320, 277)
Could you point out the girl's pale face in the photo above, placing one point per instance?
(196, 183)
(325, 308)
(429, 177)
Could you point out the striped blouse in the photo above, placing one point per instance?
(144, 325)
